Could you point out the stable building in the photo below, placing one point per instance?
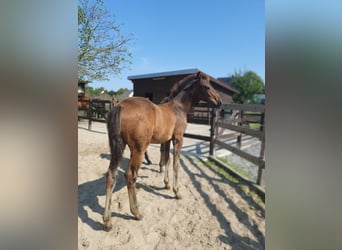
(156, 86)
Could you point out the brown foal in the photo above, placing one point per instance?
(137, 122)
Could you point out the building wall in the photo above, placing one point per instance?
(157, 89)
(225, 95)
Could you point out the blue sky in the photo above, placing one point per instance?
(218, 37)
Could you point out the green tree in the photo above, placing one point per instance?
(111, 93)
(120, 91)
(89, 91)
(249, 84)
(102, 48)
(94, 92)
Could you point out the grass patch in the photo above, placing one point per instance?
(245, 188)
(255, 126)
(241, 170)
(242, 185)
(222, 172)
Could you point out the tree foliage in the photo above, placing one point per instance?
(102, 48)
(249, 84)
(95, 92)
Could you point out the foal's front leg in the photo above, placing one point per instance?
(177, 145)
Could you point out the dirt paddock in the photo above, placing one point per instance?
(215, 212)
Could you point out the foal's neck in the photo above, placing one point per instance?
(184, 99)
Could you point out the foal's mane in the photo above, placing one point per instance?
(178, 87)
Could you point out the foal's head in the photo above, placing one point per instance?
(199, 88)
(202, 90)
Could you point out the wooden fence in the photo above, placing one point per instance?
(200, 114)
(94, 110)
(243, 119)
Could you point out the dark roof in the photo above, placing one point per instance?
(181, 72)
(223, 84)
(164, 74)
(227, 81)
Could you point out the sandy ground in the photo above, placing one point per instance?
(215, 213)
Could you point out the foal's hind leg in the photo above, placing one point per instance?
(147, 158)
(131, 177)
(110, 184)
(164, 155)
(164, 161)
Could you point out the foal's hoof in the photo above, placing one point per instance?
(107, 227)
(167, 186)
(178, 197)
(177, 194)
(139, 217)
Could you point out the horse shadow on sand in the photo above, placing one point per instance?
(89, 192)
(230, 237)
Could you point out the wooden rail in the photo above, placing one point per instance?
(198, 137)
(200, 114)
(245, 107)
(235, 117)
(96, 110)
(248, 131)
(239, 121)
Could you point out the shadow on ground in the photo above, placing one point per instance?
(89, 192)
(230, 237)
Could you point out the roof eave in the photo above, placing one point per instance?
(164, 74)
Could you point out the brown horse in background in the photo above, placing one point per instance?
(137, 122)
(83, 102)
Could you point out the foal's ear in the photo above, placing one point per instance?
(197, 76)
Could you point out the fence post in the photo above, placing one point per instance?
(89, 115)
(261, 166)
(262, 150)
(239, 138)
(212, 131)
(262, 121)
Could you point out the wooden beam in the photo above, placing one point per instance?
(198, 137)
(227, 136)
(257, 161)
(248, 131)
(247, 107)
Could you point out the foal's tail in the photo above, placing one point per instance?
(116, 142)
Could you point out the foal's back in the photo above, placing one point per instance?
(145, 122)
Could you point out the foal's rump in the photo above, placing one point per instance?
(137, 121)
